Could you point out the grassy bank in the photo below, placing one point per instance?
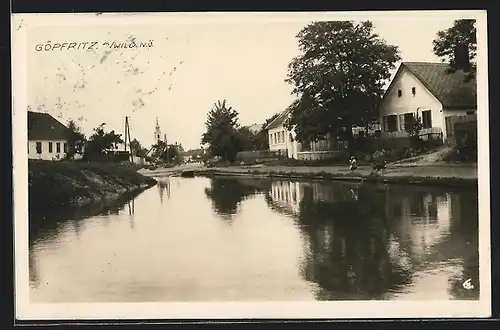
(76, 184)
(429, 175)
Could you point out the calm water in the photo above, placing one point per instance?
(219, 239)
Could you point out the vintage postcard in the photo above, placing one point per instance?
(251, 165)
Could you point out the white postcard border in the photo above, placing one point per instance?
(228, 310)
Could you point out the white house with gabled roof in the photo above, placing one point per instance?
(281, 138)
(428, 91)
(47, 137)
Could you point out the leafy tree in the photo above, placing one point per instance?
(171, 155)
(137, 149)
(414, 126)
(180, 148)
(167, 153)
(101, 141)
(222, 132)
(246, 139)
(76, 140)
(448, 44)
(338, 78)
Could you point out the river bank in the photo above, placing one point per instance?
(425, 175)
(77, 184)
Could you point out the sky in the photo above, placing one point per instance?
(191, 65)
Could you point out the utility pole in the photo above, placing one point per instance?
(166, 150)
(127, 138)
(129, 141)
(126, 125)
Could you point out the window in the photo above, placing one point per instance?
(391, 123)
(39, 147)
(413, 91)
(426, 119)
(58, 147)
(275, 138)
(400, 93)
(65, 147)
(409, 120)
(282, 136)
(270, 139)
(50, 147)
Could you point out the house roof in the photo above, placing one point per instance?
(42, 126)
(280, 119)
(453, 90)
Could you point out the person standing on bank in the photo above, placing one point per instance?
(352, 163)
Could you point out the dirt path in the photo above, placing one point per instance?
(430, 159)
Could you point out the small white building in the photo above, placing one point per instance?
(427, 91)
(47, 137)
(280, 138)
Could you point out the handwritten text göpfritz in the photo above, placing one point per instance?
(91, 45)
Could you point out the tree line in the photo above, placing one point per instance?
(338, 81)
(97, 145)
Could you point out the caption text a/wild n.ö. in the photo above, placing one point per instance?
(90, 45)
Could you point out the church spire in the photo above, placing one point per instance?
(157, 131)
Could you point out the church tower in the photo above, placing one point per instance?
(157, 132)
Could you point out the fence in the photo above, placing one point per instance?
(423, 134)
(317, 155)
(465, 123)
(462, 134)
(260, 155)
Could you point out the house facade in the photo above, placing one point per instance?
(47, 137)
(283, 140)
(280, 138)
(426, 91)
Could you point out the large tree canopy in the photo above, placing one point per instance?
(222, 133)
(449, 43)
(101, 141)
(338, 78)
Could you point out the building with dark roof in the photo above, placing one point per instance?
(281, 138)
(47, 137)
(430, 92)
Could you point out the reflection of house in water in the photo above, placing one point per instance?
(424, 220)
(363, 241)
(286, 195)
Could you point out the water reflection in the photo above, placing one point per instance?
(226, 194)
(286, 240)
(374, 241)
(163, 187)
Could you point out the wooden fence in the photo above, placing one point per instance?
(260, 155)
(460, 124)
